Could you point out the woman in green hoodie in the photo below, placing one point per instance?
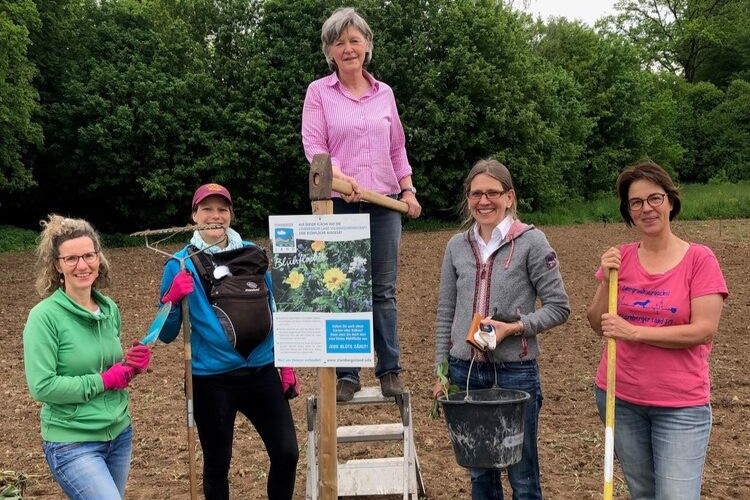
(75, 367)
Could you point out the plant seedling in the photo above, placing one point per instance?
(448, 388)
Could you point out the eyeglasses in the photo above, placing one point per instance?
(72, 260)
(492, 194)
(654, 200)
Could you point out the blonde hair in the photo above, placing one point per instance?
(56, 230)
(497, 171)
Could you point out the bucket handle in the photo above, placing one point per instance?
(468, 377)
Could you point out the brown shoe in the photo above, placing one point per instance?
(390, 385)
(345, 390)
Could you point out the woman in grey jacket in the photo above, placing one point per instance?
(497, 268)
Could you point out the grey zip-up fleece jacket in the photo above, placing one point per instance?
(523, 268)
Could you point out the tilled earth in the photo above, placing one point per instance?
(570, 437)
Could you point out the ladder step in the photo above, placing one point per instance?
(373, 432)
(371, 394)
(373, 476)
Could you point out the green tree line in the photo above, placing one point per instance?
(115, 110)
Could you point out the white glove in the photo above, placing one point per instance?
(486, 339)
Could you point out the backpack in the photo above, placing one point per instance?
(239, 298)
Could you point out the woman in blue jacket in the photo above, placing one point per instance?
(231, 373)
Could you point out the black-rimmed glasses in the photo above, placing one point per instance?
(72, 260)
(654, 200)
(491, 194)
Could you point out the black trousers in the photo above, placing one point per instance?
(256, 393)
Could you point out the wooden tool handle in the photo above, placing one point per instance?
(343, 187)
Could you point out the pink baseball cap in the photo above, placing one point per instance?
(211, 189)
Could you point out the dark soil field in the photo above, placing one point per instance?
(571, 434)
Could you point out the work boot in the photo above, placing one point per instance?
(345, 390)
(390, 385)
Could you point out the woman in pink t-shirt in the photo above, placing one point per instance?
(670, 294)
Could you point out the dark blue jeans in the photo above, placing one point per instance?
(521, 375)
(385, 235)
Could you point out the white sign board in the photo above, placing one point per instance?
(322, 285)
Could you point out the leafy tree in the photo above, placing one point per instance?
(729, 126)
(629, 119)
(697, 133)
(142, 100)
(676, 35)
(470, 87)
(730, 60)
(266, 53)
(18, 98)
(131, 120)
(716, 133)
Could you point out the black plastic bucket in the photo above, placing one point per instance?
(486, 426)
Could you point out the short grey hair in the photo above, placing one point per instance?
(334, 27)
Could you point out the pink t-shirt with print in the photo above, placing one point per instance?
(656, 376)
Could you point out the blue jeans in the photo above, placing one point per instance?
(385, 234)
(661, 450)
(91, 470)
(520, 375)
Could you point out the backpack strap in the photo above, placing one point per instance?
(205, 267)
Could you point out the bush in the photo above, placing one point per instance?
(13, 239)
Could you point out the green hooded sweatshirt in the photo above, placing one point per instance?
(65, 348)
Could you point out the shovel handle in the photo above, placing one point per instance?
(609, 431)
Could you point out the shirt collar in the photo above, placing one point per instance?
(500, 231)
(333, 80)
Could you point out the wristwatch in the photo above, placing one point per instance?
(409, 189)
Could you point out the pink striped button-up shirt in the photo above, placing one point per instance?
(363, 136)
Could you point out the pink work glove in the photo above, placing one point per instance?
(289, 383)
(117, 377)
(138, 357)
(182, 285)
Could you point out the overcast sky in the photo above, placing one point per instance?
(587, 11)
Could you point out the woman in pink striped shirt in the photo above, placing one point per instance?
(353, 117)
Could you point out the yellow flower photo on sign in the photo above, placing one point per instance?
(295, 280)
(334, 278)
(324, 276)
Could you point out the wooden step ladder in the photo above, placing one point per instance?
(372, 476)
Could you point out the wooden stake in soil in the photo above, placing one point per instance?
(321, 176)
(321, 183)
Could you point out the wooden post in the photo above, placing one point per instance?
(321, 177)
